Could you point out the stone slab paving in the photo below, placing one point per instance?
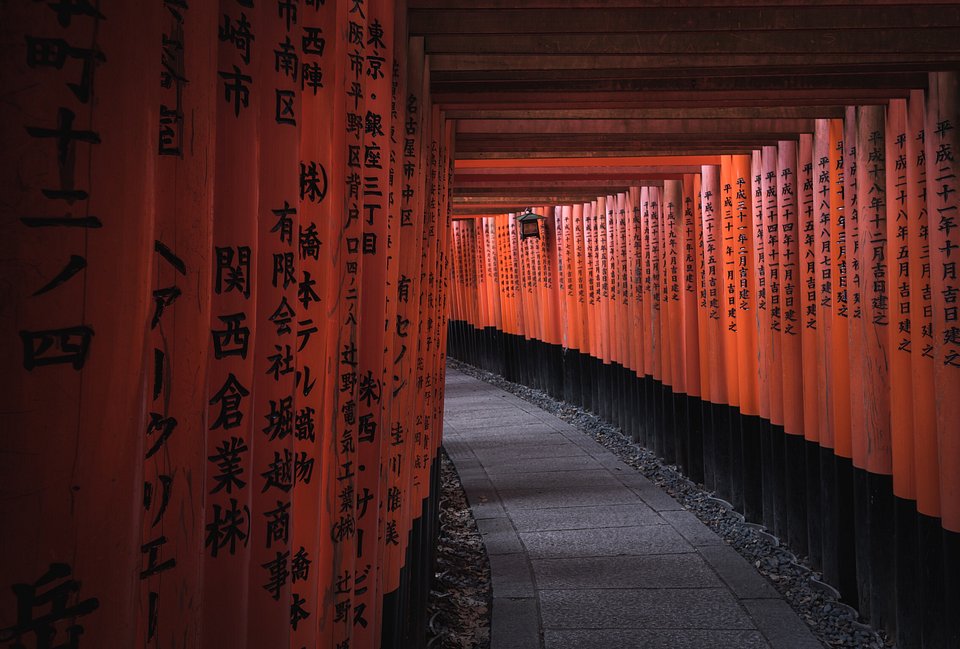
(586, 552)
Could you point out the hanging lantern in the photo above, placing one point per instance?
(529, 224)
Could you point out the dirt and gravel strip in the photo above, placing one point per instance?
(460, 595)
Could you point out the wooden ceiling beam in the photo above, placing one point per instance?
(587, 162)
(746, 101)
(905, 39)
(702, 98)
(727, 76)
(744, 83)
(547, 142)
(465, 179)
(715, 148)
(642, 4)
(690, 113)
(522, 201)
(605, 20)
(467, 62)
(631, 127)
(527, 186)
(486, 156)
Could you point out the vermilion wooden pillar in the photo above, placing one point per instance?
(712, 340)
(744, 281)
(177, 348)
(691, 339)
(229, 520)
(930, 575)
(939, 144)
(789, 337)
(773, 266)
(702, 316)
(729, 448)
(580, 299)
(78, 255)
(807, 299)
(675, 231)
(278, 467)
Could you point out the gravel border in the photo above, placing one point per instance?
(834, 623)
(460, 602)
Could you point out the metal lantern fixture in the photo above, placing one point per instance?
(529, 224)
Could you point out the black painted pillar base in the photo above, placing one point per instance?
(883, 555)
(694, 438)
(656, 403)
(845, 538)
(681, 431)
(597, 385)
(829, 523)
(778, 466)
(607, 394)
(525, 362)
(814, 522)
(735, 454)
(477, 347)
(861, 521)
(650, 410)
(489, 351)
(751, 430)
(643, 411)
(480, 347)
(708, 434)
(909, 633)
(626, 409)
(508, 357)
(616, 385)
(951, 587)
(531, 365)
(721, 450)
(669, 425)
(795, 459)
(633, 407)
(766, 468)
(626, 401)
(639, 411)
(571, 387)
(586, 390)
(930, 577)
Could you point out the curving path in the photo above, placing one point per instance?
(586, 552)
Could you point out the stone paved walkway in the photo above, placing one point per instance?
(586, 552)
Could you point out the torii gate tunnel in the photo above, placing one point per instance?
(238, 235)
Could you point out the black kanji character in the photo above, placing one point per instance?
(228, 461)
(230, 397)
(44, 625)
(277, 568)
(228, 528)
(236, 89)
(68, 345)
